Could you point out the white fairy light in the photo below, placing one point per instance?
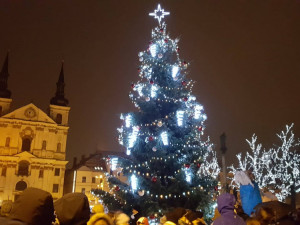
(159, 13)
(132, 137)
(128, 120)
(179, 116)
(175, 70)
(188, 175)
(153, 91)
(133, 180)
(197, 113)
(114, 162)
(153, 50)
(140, 90)
(128, 151)
(164, 137)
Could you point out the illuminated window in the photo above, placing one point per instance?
(55, 188)
(57, 172)
(58, 118)
(26, 144)
(7, 142)
(58, 149)
(44, 144)
(83, 179)
(23, 168)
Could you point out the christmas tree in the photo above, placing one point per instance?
(168, 165)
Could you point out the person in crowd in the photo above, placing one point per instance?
(121, 218)
(142, 221)
(192, 218)
(226, 204)
(72, 209)
(252, 221)
(249, 191)
(33, 207)
(100, 219)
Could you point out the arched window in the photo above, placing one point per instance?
(58, 118)
(7, 142)
(21, 186)
(26, 144)
(58, 149)
(44, 145)
(23, 168)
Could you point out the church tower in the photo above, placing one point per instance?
(59, 111)
(5, 94)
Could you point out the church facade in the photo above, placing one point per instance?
(32, 143)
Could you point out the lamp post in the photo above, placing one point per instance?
(223, 151)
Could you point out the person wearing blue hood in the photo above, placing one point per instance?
(226, 204)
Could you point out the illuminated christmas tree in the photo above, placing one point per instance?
(169, 164)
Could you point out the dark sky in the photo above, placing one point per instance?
(244, 58)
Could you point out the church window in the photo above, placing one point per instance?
(41, 173)
(3, 172)
(26, 144)
(55, 188)
(56, 172)
(83, 179)
(21, 186)
(58, 118)
(58, 147)
(44, 145)
(93, 180)
(23, 168)
(7, 142)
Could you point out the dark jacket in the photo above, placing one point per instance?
(34, 207)
(226, 204)
(6, 221)
(72, 209)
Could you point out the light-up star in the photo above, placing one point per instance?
(159, 13)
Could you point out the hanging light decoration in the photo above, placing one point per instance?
(164, 137)
(179, 116)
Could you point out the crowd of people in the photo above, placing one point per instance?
(36, 207)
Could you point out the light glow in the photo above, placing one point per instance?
(132, 137)
(198, 109)
(164, 137)
(153, 50)
(128, 120)
(133, 180)
(175, 70)
(159, 13)
(153, 91)
(180, 115)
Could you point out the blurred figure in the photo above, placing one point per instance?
(252, 221)
(33, 207)
(192, 218)
(142, 221)
(173, 216)
(72, 209)
(121, 219)
(100, 219)
(265, 216)
(226, 204)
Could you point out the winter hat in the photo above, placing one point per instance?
(121, 219)
(98, 208)
(142, 220)
(34, 207)
(100, 216)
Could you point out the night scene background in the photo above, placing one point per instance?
(244, 57)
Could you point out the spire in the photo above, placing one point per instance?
(59, 98)
(4, 92)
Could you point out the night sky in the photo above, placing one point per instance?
(244, 58)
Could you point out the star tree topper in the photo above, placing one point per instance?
(159, 13)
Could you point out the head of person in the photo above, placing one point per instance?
(226, 203)
(142, 221)
(34, 206)
(100, 219)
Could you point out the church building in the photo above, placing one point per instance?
(32, 143)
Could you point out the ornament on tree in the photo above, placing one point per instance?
(216, 188)
(160, 55)
(151, 82)
(159, 123)
(187, 165)
(139, 69)
(154, 149)
(154, 179)
(150, 138)
(175, 78)
(147, 99)
(152, 217)
(183, 83)
(166, 40)
(185, 99)
(141, 59)
(117, 188)
(141, 192)
(132, 85)
(198, 165)
(200, 128)
(161, 30)
(141, 54)
(178, 49)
